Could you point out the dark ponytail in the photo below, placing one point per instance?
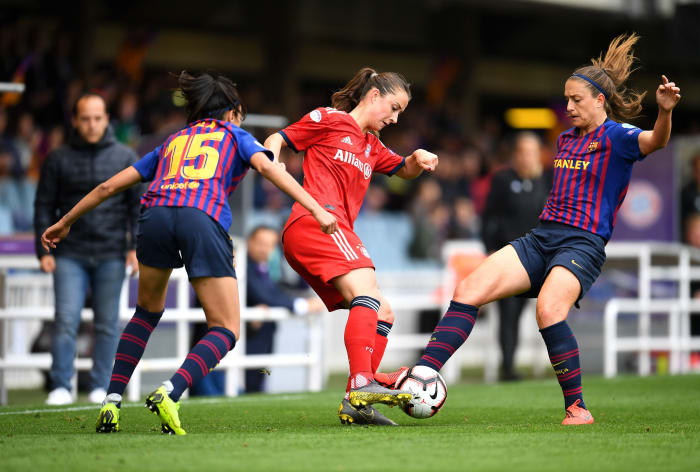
(209, 95)
(354, 91)
(610, 72)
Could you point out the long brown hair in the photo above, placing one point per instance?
(610, 72)
(386, 82)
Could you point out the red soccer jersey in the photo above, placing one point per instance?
(339, 161)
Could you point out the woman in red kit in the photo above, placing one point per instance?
(342, 152)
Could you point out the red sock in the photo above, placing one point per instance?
(380, 340)
(360, 331)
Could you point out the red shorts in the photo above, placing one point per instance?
(319, 257)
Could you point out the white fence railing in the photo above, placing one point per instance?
(29, 296)
(656, 262)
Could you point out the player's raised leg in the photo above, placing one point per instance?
(153, 286)
(500, 275)
(559, 292)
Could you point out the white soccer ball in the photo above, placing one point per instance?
(428, 389)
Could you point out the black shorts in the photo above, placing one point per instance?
(554, 244)
(170, 237)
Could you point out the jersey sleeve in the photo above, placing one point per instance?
(626, 140)
(147, 165)
(308, 130)
(387, 161)
(248, 145)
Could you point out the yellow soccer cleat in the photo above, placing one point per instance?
(375, 393)
(366, 415)
(167, 410)
(108, 420)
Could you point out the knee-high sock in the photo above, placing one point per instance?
(563, 354)
(360, 332)
(130, 348)
(380, 340)
(450, 333)
(203, 357)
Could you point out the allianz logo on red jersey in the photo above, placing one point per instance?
(350, 158)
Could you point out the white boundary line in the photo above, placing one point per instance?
(257, 399)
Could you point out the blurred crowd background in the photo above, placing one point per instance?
(469, 63)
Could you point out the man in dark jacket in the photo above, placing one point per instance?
(95, 252)
(513, 207)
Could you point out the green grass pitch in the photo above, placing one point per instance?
(642, 424)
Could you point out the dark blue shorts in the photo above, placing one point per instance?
(554, 244)
(170, 237)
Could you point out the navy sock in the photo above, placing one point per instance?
(450, 333)
(131, 346)
(563, 354)
(203, 357)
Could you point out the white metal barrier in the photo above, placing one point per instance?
(678, 342)
(30, 297)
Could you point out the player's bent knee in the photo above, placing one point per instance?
(235, 328)
(386, 314)
(469, 293)
(549, 315)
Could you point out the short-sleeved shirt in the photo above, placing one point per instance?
(199, 167)
(339, 161)
(591, 176)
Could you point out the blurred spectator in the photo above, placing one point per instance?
(93, 254)
(690, 198)
(465, 222)
(515, 200)
(431, 218)
(263, 291)
(16, 197)
(126, 126)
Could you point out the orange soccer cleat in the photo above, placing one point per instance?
(389, 380)
(577, 415)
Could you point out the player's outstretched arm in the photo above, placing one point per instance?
(285, 182)
(667, 96)
(416, 163)
(115, 184)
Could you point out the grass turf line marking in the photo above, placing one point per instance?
(257, 399)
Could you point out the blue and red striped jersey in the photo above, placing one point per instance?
(199, 167)
(591, 176)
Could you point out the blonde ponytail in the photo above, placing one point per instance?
(608, 75)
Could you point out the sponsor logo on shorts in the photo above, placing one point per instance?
(576, 264)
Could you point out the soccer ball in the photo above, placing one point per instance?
(428, 389)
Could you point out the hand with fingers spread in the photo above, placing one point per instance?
(667, 95)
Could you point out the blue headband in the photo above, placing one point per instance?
(592, 82)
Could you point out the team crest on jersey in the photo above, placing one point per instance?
(367, 150)
(315, 116)
(346, 140)
(363, 250)
(593, 146)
